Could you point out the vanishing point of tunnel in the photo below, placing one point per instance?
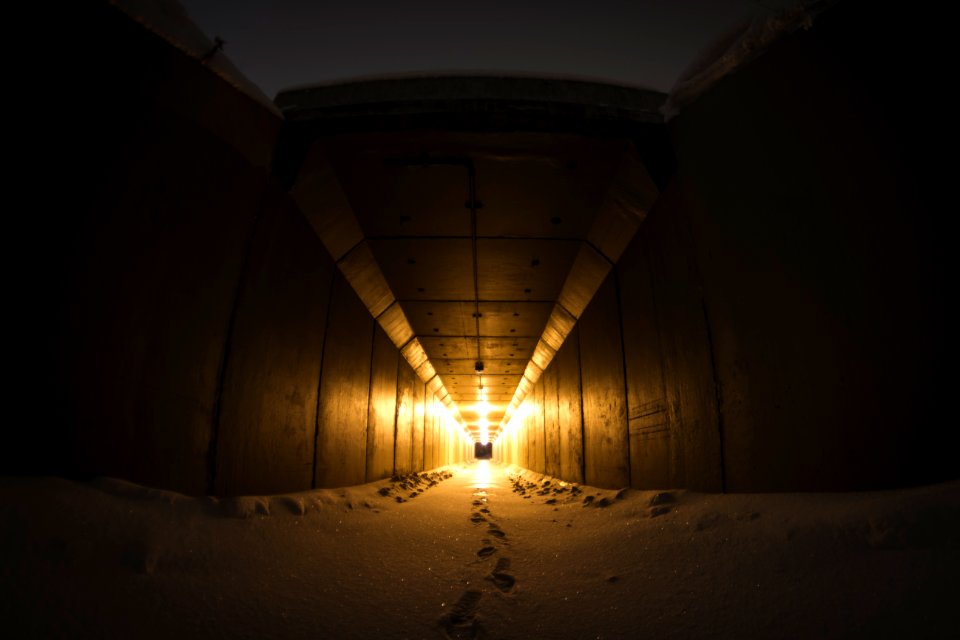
(483, 355)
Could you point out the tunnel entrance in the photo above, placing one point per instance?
(483, 451)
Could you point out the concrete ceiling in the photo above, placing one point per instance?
(473, 249)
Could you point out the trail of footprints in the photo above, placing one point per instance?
(480, 515)
(462, 620)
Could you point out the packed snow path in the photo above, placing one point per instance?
(477, 551)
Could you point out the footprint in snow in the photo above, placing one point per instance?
(500, 578)
(461, 621)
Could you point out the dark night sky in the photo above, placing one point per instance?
(281, 43)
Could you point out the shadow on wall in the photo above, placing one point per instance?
(186, 329)
(778, 323)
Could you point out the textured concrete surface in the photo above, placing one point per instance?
(268, 405)
(344, 391)
(569, 409)
(382, 414)
(605, 447)
(783, 317)
(778, 322)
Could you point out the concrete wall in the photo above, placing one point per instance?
(823, 259)
(274, 358)
(778, 323)
(409, 409)
(382, 419)
(566, 364)
(128, 262)
(674, 426)
(185, 328)
(606, 454)
(551, 423)
(345, 395)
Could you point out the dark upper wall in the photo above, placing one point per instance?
(186, 328)
(782, 308)
(155, 174)
(778, 323)
(822, 254)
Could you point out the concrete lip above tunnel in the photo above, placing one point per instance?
(475, 216)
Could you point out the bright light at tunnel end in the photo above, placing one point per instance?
(482, 408)
(483, 476)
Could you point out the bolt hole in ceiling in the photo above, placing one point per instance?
(474, 216)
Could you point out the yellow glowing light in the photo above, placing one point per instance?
(483, 476)
(484, 430)
(482, 408)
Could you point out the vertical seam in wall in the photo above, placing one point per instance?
(717, 386)
(623, 360)
(656, 321)
(323, 354)
(366, 432)
(556, 414)
(583, 422)
(413, 430)
(214, 443)
(543, 423)
(423, 431)
(718, 393)
(672, 423)
(396, 415)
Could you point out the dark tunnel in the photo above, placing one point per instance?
(230, 296)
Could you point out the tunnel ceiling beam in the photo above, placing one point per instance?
(478, 240)
(324, 204)
(626, 204)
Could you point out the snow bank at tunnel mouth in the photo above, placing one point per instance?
(374, 495)
(300, 503)
(531, 485)
(926, 517)
(619, 555)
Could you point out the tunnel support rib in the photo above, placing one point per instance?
(718, 392)
(323, 351)
(228, 345)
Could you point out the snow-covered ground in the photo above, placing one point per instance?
(489, 552)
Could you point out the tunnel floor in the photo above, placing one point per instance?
(480, 551)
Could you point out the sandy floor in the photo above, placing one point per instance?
(484, 553)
